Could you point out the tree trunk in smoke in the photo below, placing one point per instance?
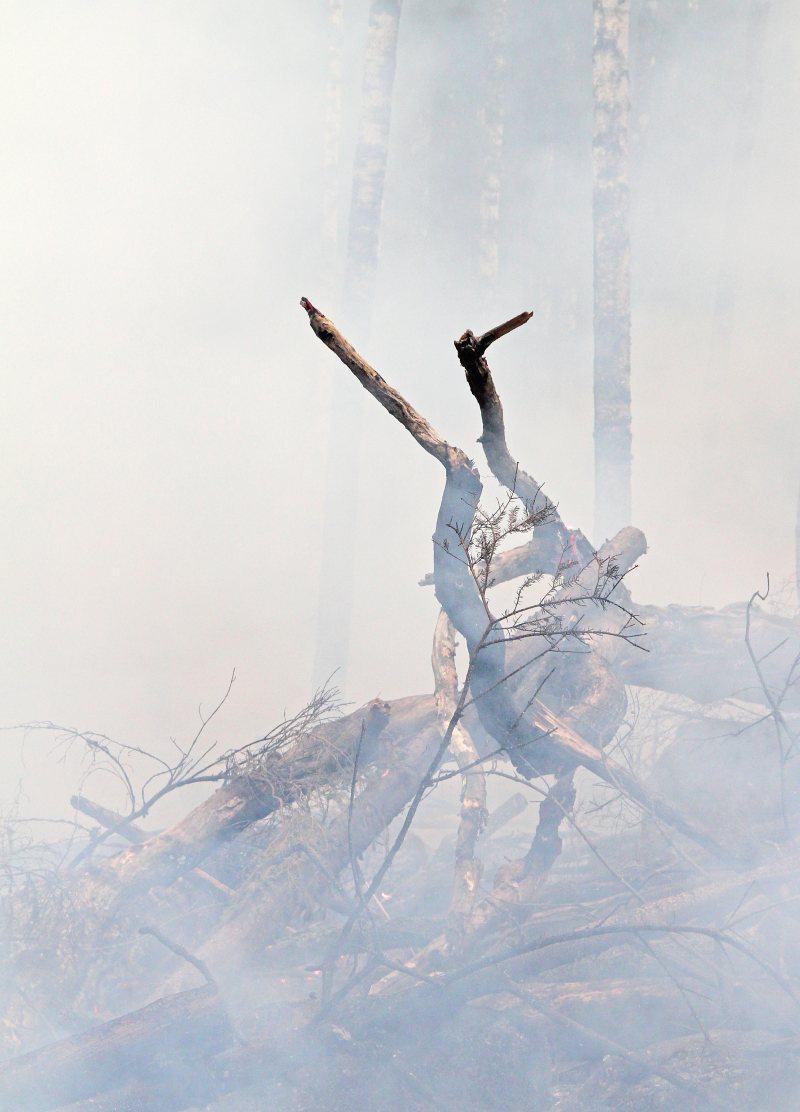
(76, 1068)
(331, 143)
(648, 31)
(369, 168)
(745, 108)
(341, 493)
(612, 315)
(493, 120)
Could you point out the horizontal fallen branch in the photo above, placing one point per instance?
(190, 1024)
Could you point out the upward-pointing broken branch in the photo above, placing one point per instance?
(558, 543)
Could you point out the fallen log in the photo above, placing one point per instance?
(103, 897)
(154, 1040)
(131, 832)
(523, 952)
(468, 866)
(275, 897)
(590, 1041)
(204, 1081)
(737, 1069)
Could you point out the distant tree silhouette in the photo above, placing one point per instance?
(612, 310)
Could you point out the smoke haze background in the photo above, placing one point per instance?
(164, 416)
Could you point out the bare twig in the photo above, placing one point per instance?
(182, 952)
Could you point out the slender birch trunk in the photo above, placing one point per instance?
(369, 166)
(332, 138)
(746, 110)
(493, 120)
(612, 315)
(340, 524)
(648, 32)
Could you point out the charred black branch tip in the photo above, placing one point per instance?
(500, 330)
(467, 339)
